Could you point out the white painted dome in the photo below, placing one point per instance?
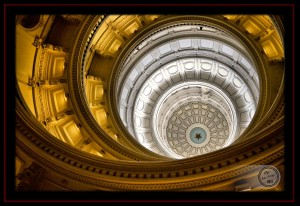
(183, 79)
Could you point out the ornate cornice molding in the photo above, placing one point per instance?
(64, 158)
(247, 42)
(75, 77)
(183, 178)
(262, 147)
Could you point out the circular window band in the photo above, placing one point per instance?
(231, 78)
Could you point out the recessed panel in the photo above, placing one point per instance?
(99, 91)
(206, 43)
(60, 100)
(165, 49)
(101, 117)
(58, 67)
(115, 45)
(131, 28)
(72, 133)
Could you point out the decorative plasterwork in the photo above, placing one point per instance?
(208, 123)
(65, 160)
(264, 32)
(183, 54)
(174, 77)
(191, 94)
(90, 171)
(185, 38)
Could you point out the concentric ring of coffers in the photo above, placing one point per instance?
(201, 118)
(204, 54)
(189, 95)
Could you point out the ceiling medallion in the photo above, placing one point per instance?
(196, 130)
(198, 135)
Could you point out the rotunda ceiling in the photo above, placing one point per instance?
(183, 65)
(182, 86)
(185, 107)
(196, 128)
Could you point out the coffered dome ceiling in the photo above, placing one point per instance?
(187, 63)
(149, 102)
